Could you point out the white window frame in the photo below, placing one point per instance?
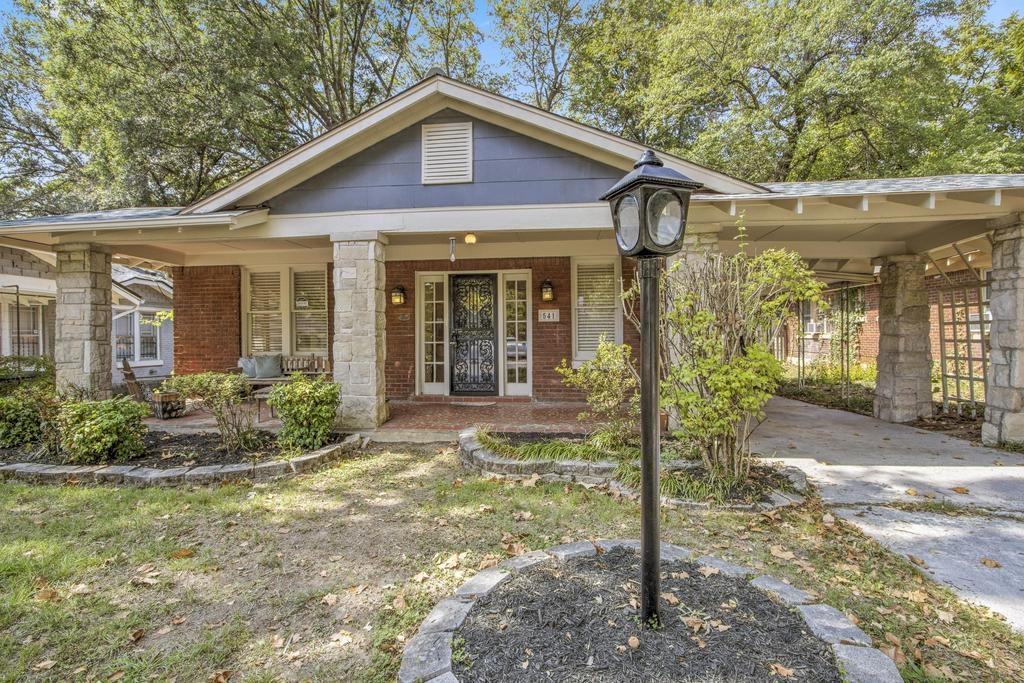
(7, 327)
(137, 313)
(465, 127)
(287, 307)
(578, 356)
(505, 388)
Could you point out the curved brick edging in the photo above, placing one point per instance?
(130, 475)
(602, 472)
(428, 654)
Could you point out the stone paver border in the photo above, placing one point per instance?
(602, 472)
(428, 654)
(130, 475)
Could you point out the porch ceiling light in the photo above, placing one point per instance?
(398, 295)
(649, 209)
(547, 291)
(470, 238)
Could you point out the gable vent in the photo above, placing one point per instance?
(447, 153)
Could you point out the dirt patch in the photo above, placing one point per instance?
(170, 449)
(968, 428)
(580, 623)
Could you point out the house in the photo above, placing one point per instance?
(28, 312)
(448, 243)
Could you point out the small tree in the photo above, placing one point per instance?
(610, 382)
(223, 395)
(718, 371)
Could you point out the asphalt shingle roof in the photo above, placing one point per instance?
(946, 183)
(95, 216)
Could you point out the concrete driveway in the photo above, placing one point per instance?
(860, 465)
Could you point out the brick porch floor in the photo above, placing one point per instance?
(500, 417)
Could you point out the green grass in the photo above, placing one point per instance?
(383, 537)
(553, 449)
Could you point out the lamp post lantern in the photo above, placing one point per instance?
(649, 207)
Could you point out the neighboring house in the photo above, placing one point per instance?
(448, 245)
(28, 289)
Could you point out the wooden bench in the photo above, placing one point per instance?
(313, 366)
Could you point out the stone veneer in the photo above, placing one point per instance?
(83, 325)
(359, 344)
(903, 391)
(1004, 393)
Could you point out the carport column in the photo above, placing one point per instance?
(903, 391)
(1004, 390)
(359, 302)
(83, 323)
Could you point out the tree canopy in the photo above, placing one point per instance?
(107, 103)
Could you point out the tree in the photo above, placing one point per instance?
(542, 38)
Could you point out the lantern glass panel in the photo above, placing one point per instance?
(664, 217)
(628, 212)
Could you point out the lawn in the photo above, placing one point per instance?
(325, 576)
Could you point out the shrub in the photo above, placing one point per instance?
(307, 408)
(223, 395)
(717, 377)
(98, 431)
(22, 372)
(610, 383)
(19, 421)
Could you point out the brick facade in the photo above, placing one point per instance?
(207, 318)
(552, 341)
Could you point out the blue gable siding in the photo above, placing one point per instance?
(508, 168)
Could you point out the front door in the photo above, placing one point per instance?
(474, 335)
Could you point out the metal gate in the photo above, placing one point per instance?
(964, 321)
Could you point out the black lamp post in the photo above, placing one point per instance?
(649, 208)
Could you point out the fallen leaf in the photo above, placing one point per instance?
(331, 599)
(708, 571)
(182, 553)
(532, 481)
(962, 490)
(486, 509)
(944, 617)
(80, 589)
(421, 577)
(163, 630)
(780, 670)
(46, 595)
(718, 625)
(990, 563)
(670, 598)
(522, 515)
(892, 638)
(220, 676)
(488, 561)
(399, 602)
(679, 575)
(45, 665)
(694, 622)
(633, 642)
(916, 560)
(137, 635)
(827, 519)
(178, 621)
(701, 643)
(341, 638)
(911, 492)
(781, 553)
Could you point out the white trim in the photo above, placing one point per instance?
(424, 388)
(233, 219)
(419, 102)
(578, 357)
(7, 328)
(517, 388)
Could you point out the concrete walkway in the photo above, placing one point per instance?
(861, 464)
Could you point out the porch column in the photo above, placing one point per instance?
(359, 348)
(1004, 390)
(82, 352)
(903, 391)
(698, 241)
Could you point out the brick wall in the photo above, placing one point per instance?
(552, 341)
(207, 318)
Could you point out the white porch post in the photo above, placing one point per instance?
(359, 346)
(82, 352)
(1004, 390)
(903, 391)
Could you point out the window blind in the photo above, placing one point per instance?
(265, 329)
(309, 311)
(447, 153)
(596, 306)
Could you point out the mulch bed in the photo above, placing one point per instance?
(574, 621)
(968, 428)
(169, 449)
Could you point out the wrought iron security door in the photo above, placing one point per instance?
(474, 334)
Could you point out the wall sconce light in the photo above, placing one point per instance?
(547, 291)
(398, 295)
(470, 238)
(451, 249)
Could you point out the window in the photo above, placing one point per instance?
(517, 340)
(26, 330)
(434, 335)
(595, 306)
(136, 337)
(286, 311)
(447, 153)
